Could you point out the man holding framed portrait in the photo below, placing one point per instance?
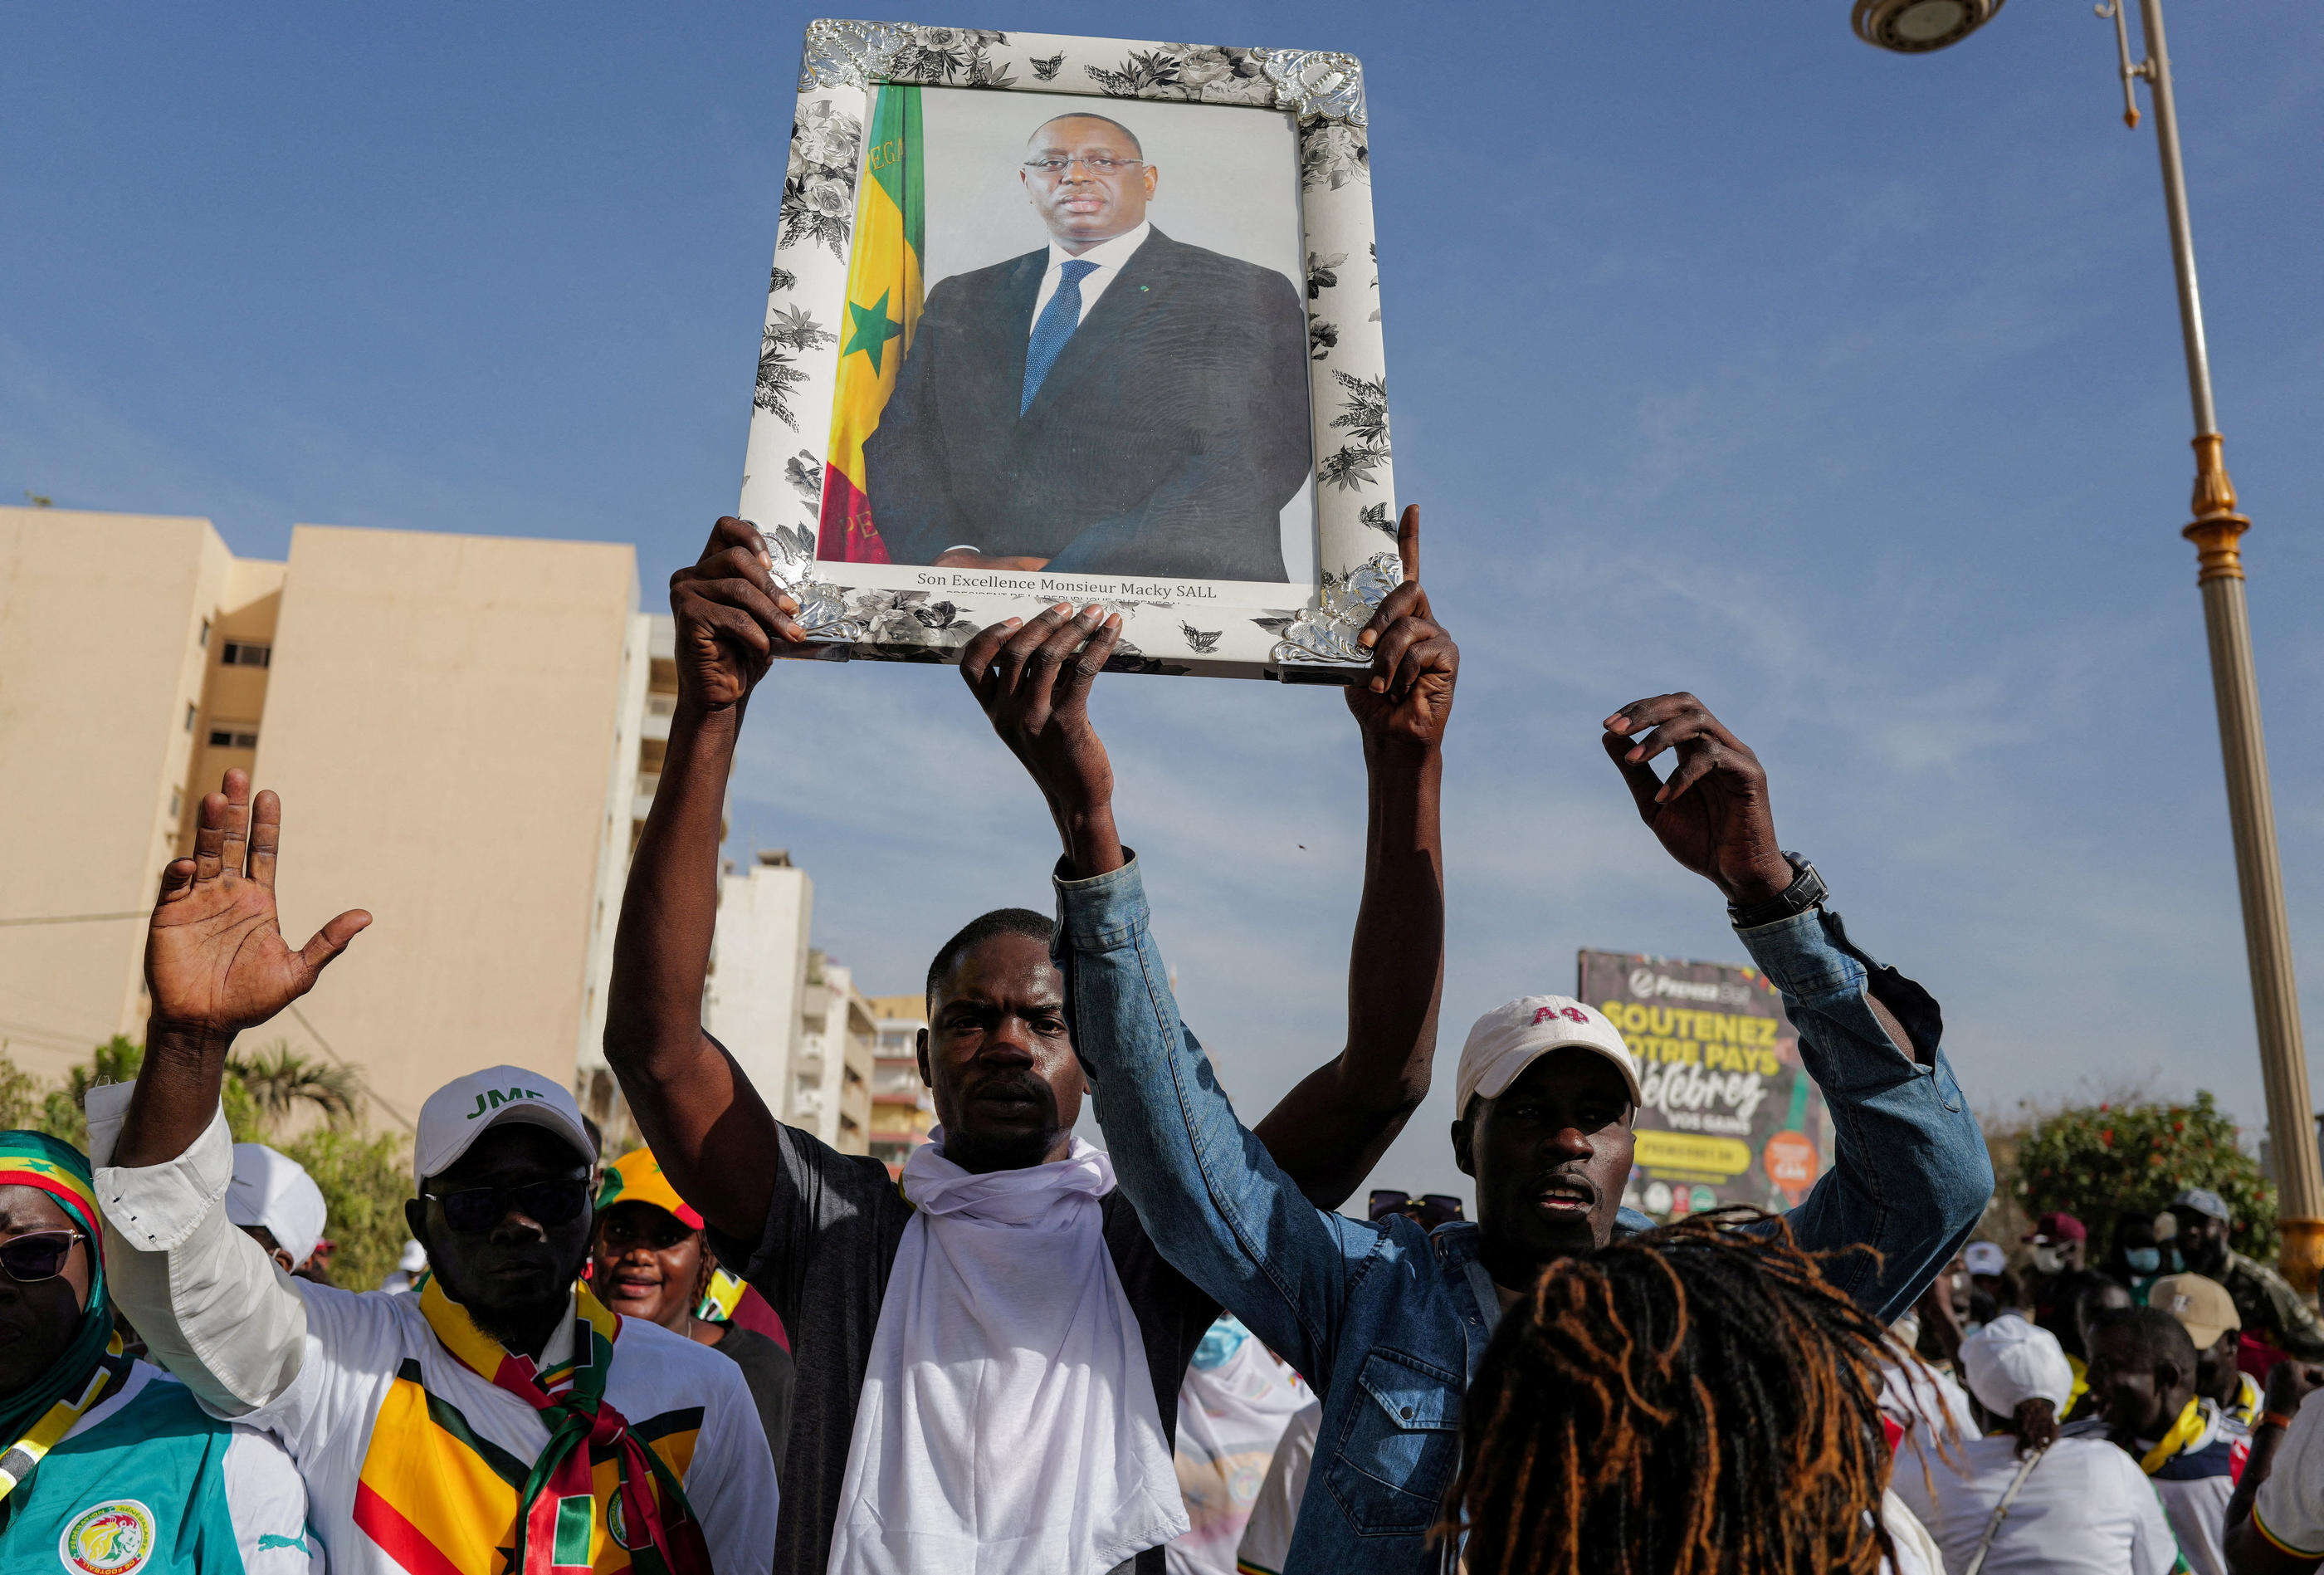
(1118, 403)
(1056, 317)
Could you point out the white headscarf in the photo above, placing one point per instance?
(2010, 1361)
(1008, 1420)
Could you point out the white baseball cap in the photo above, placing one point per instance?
(2010, 1361)
(1507, 1038)
(1984, 1257)
(466, 1108)
(273, 1191)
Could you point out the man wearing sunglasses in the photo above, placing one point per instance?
(106, 1463)
(501, 1418)
(1116, 403)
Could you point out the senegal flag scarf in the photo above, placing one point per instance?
(36, 1416)
(557, 1510)
(884, 293)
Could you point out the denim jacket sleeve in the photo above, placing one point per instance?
(1214, 1201)
(1909, 1176)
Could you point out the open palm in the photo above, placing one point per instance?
(216, 961)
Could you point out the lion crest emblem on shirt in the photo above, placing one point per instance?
(112, 1538)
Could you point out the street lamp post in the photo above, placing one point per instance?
(1914, 26)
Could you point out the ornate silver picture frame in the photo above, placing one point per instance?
(848, 309)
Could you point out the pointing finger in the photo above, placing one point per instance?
(1407, 541)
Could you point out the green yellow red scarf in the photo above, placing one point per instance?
(645, 1510)
(92, 1366)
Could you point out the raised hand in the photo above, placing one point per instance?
(2289, 1382)
(1033, 680)
(1408, 698)
(216, 961)
(732, 621)
(1712, 815)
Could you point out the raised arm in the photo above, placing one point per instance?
(1216, 1204)
(708, 1127)
(1910, 1175)
(212, 1308)
(2279, 1538)
(1333, 1128)
(216, 963)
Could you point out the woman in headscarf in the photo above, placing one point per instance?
(106, 1464)
(2024, 1498)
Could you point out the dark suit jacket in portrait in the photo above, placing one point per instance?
(1166, 440)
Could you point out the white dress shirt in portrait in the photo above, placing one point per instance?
(1107, 257)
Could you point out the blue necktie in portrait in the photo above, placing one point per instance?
(1058, 321)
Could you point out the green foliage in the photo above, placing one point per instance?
(279, 1080)
(20, 1098)
(2105, 1164)
(364, 1181)
(363, 1177)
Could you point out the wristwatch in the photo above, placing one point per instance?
(1806, 891)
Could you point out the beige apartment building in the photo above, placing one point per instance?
(465, 731)
(902, 1110)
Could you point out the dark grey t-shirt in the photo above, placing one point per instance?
(822, 1263)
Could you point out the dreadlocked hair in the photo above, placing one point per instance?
(1693, 1400)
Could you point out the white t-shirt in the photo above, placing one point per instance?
(2290, 1508)
(2085, 1510)
(1267, 1535)
(1231, 1417)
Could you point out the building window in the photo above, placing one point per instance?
(241, 653)
(190, 715)
(232, 739)
(203, 642)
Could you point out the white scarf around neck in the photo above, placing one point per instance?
(1006, 1420)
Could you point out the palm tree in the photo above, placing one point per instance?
(279, 1079)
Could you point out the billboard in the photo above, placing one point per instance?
(1727, 1114)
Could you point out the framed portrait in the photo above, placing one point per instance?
(1064, 319)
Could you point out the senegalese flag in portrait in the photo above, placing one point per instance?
(883, 308)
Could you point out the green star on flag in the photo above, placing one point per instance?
(872, 331)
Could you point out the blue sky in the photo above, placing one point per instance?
(1841, 388)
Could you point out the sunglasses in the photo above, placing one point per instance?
(473, 1210)
(37, 1254)
(660, 1229)
(1434, 1208)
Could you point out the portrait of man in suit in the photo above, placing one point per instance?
(1117, 402)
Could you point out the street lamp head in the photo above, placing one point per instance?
(1913, 27)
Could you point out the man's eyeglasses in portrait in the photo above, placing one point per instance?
(1105, 168)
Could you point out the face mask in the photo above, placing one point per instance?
(2142, 1260)
(1219, 1342)
(2046, 1259)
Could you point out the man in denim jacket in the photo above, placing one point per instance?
(1389, 1322)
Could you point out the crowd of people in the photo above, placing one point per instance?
(738, 1349)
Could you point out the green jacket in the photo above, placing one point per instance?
(2270, 1308)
